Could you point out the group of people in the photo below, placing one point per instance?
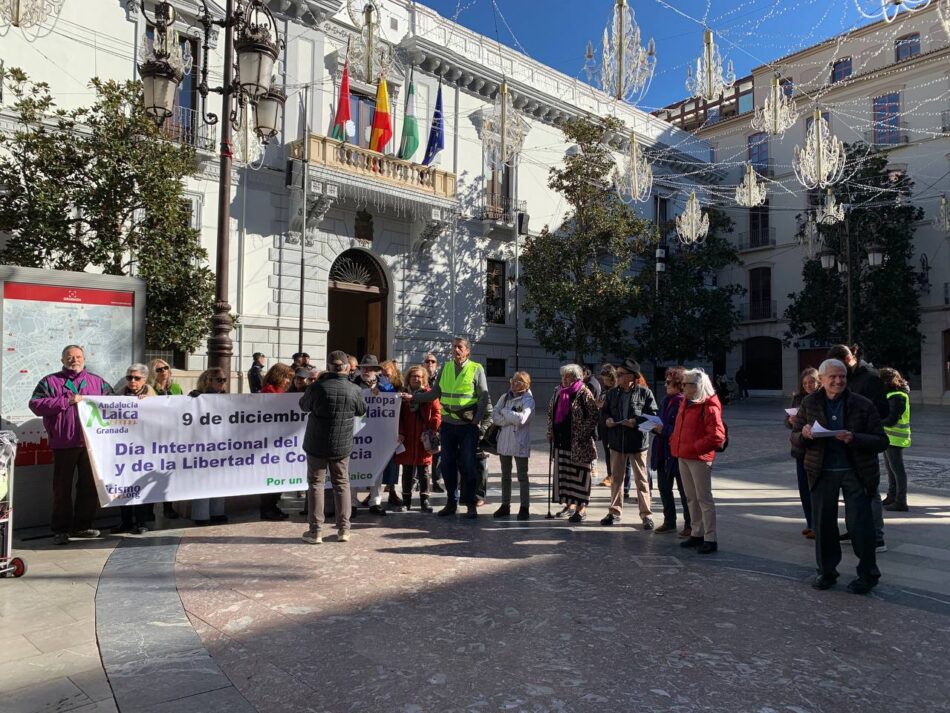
(843, 415)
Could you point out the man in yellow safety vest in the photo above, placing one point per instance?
(462, 390)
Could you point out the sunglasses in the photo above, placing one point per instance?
(220, 380)
(161, 368)
(429, 361)
(134, 378)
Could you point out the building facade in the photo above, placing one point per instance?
(886, 84)
(390, 257)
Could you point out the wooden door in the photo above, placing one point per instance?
(374, 329)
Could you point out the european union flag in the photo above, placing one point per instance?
(437, 132)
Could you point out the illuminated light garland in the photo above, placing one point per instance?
(751, 192)
(636, 180)
(831, 211)
(890, 9)
(943, 12)
(626, 67)
(27, 14)
(778, 113)
(709, 82)
(692, 225)
(821, 163)
(942, 220)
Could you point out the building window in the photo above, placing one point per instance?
(496, 368)
(841, 69)
(363, 226)
(498, 192)
(760, 293)
(885, 111)
(906, 47)
(495, 298)
(185, 125)
(362, 109)
(661, 210)
(759, 226)
(788, 86)
(809, 120)
(759, 151)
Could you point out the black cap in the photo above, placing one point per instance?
(257, 355)
(631, 365)
(337, 361)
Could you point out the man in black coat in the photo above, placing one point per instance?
(843, 463)
(255, 379)
(332, 401)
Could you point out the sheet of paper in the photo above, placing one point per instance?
(791, 411)
(646, 426)
(400, 448)
(652, 420)
(819, 431)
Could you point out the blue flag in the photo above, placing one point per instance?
(437, 133)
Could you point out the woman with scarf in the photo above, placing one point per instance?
(572, 421)
(415, 419)
(135, 518)
(513, 414)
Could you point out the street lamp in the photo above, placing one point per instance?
(875, 255)
(251, 32)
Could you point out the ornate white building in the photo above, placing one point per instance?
(396, 257)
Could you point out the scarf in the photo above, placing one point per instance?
(564, 395)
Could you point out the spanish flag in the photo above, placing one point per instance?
(382, 120)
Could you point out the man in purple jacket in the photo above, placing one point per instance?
(55, 398)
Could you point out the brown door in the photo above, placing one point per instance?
(374, 328)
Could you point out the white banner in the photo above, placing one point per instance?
(168, 448)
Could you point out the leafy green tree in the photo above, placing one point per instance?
(885, 299)
(98, 189)
(579, 288)
(691, 317)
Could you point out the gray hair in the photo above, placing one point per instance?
(704, 387)
(462, 340)
(72, 346)
(829, 364)
(140, 368)
(574, 370)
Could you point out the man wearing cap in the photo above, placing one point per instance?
(624, 407)
(332, 402)
(303, 377)
(255, 379)
(462, 391)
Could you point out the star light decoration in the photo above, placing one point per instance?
(778, 113)
(692, 225)
(831, 211)
(626, 67)
(751, 192)
(821, 163)
(710, 82)
(636, 180)
(891, 8)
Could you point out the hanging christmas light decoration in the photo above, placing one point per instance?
(692, 225)
(636, 180)
(247, 146)
(751, 192)
(821, 163)
(502, 130)
(709, 83)
(831, 211)
(27, 14)
(778, 113)
(943, 12)
(943, 215)
(891, 8)
(810, 238)
(626, 68)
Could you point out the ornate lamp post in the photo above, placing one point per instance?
(251, 32)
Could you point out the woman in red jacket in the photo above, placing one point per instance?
(414, 420)
(696, 436)
(276, 381)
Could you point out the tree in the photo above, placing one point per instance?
(579, 288)
(691, 317)
(885, 299)
(97, 188)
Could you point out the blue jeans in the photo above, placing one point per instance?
(804, 492)
(458, 459)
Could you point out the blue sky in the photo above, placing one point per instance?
(751, 32)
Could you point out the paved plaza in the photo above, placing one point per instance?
(421, 614)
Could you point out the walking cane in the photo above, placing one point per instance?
(549, 516)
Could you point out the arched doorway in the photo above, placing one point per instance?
(356, 305)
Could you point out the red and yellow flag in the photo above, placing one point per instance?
(382, 119)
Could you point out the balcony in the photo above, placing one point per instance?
(185, 127)
(758, 239)
(497, 215)
(758, 311)
(368, 170)
(887, 135)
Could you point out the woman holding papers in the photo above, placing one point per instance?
(807, 384)
(698, 433)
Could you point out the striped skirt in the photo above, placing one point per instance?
(572, 481)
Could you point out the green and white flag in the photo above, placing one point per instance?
(410, 126)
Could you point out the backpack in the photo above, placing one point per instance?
(725, 443)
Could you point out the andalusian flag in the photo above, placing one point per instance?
(410, 125)
(343, 118)
(382, 120)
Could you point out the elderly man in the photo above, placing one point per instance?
(55, 398)
(332, 401)
(462, 391)
(845, 462)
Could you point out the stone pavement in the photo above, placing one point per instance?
(421, 614)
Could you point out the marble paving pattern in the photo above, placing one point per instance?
(421, 614)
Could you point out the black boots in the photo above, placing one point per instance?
(424, 504)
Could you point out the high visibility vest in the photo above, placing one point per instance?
(899, 433)
(458, 392)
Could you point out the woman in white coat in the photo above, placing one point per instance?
(513, 414)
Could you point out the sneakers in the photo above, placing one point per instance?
(664, 528)
(84, 534)
(312, 538)
(707, 548)
(578, 516)
(880, 547)
(648, 524)
(343, 536)
(566, 512)
(60, 538)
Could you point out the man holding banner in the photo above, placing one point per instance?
(333, 401)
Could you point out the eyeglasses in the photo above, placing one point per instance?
(134, 378)
(161, 368)
(429, 361)
(220, 380)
